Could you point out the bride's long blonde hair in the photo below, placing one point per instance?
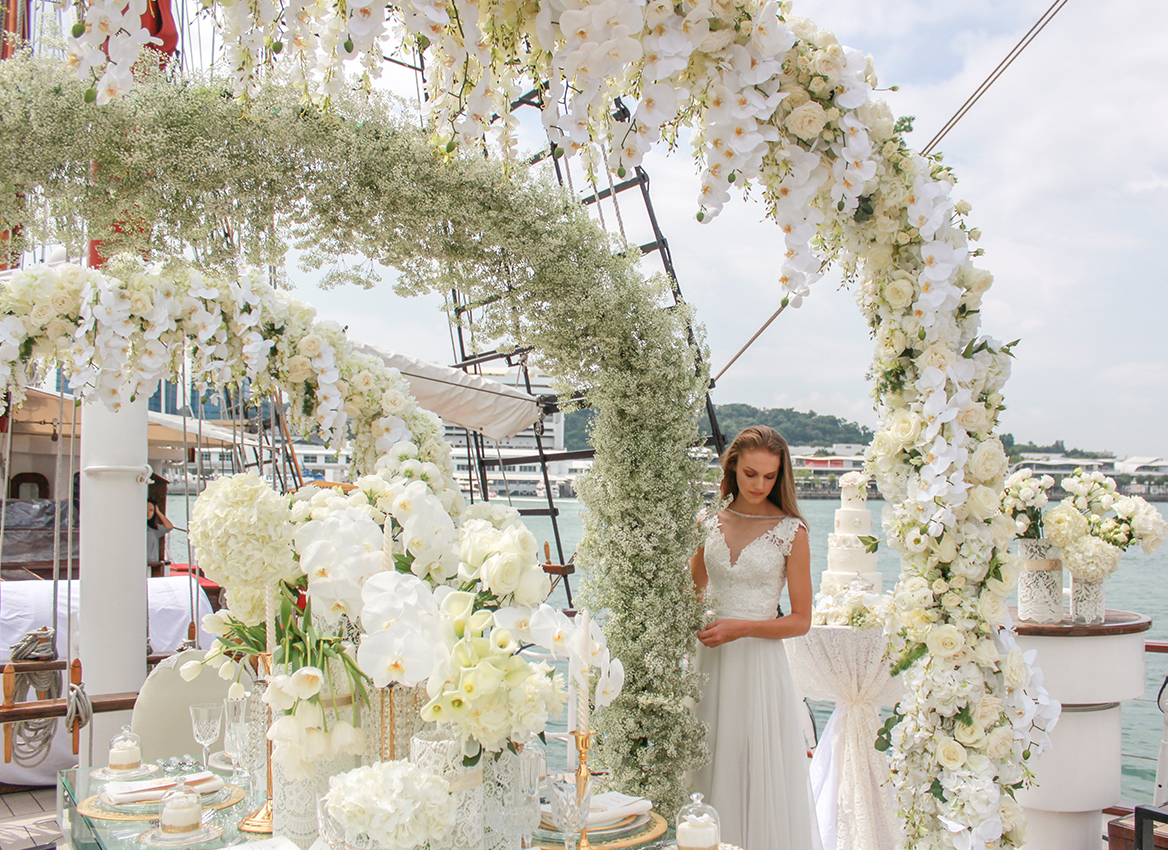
(767, 439)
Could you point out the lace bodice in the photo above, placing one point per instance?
(749, 586)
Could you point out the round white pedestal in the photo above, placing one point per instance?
(1090, 670)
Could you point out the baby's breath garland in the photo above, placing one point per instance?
(368, 184)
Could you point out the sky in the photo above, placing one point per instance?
(1065, 163)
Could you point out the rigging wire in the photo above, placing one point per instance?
(1022, 44)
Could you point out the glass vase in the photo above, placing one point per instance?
(1040, 584)
(511, 786)
(440, 750)
(1088, 606)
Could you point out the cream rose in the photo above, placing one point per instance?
(983, 502)
(807, 121)
(42, 312)
(1015, 669)
(969, 736)
(973, 418)
(989, 708)
(827, 65)
(899, 292)
(945, 640)
(950, 754)
(310, 345)
(1000, 742)
(299, 369)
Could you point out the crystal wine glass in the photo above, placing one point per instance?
(236, 737)
(570, 804)
(207, 722)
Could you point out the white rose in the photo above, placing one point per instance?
(992, 608)
(905, 426)
(502, 571)
(989, 461)
(42, 312)
(1015, 669)
(986, 655)
(937, 356)
(899, 293)
(807, 121)
(1000, 742)
(977, 281)
(950, 754)
(983, 502)
(945, 640)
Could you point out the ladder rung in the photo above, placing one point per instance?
(619, 187)
(539, 511)
(650, 247)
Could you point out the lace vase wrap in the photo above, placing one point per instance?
(1088, 604)
(511, 798)
(1040, 584)
(392, 718)
(294, 800)
(854, 801)
(440, 751)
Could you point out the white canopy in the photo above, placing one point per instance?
(480, 404)
(165, 430)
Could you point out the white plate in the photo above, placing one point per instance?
(136, 773)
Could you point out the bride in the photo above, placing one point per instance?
(757, 775)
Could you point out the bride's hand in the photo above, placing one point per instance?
(722, 631)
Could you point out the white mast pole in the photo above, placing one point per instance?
(114, 473)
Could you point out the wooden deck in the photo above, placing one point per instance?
(28, 820)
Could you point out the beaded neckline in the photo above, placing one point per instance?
(754, 516)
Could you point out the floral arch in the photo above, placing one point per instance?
(772, 102)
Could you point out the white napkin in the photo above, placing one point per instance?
(146, 790)
(607, 809)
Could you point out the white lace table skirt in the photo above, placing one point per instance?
(851, 779)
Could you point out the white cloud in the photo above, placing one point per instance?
(1063, 161)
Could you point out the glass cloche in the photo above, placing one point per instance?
(697, 826)
(125, 751)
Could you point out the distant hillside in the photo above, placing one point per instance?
(800, 429)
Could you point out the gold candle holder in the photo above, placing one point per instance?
(259, 822)
(583, 742)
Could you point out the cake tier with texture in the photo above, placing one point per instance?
(846, 558)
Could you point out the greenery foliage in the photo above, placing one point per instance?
(176, 169)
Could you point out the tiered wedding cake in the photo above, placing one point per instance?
(846, 558)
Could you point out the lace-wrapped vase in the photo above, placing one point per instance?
(440, 751)
(294, 800)
(1040, 584)
(1088, 603)
(511, 785)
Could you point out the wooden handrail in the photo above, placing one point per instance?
(61, 664)
(1160, 646)
(40, 709)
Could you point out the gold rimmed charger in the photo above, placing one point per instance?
(95, 807)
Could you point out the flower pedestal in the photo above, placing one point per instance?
(1091, 669)
(1040, 584)
(1087, 601)
(440, 751)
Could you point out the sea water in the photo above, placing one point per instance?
(1141, 584)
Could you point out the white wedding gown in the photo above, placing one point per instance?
(757, 777)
